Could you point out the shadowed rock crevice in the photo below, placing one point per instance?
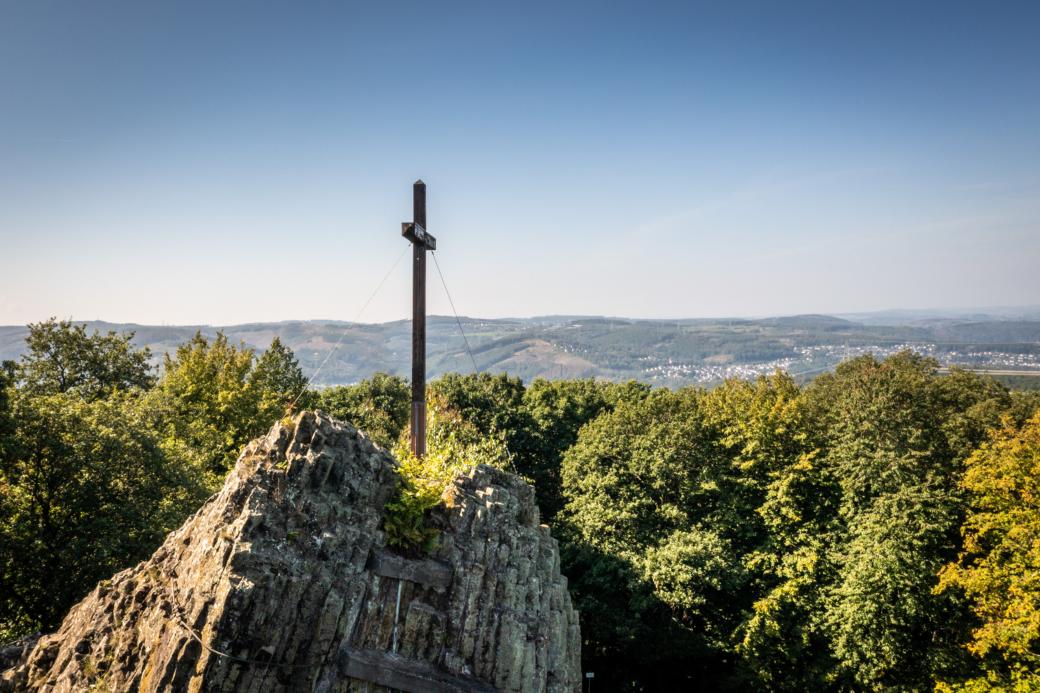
(283, 582)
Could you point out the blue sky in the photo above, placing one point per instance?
(202, 162)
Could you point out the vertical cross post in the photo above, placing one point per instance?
(421, 242)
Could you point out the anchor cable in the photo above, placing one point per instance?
(455, 312)
(343, 334)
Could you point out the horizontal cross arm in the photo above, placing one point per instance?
(418, 235)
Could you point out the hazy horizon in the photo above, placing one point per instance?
(1027, 312)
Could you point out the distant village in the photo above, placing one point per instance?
(817, 359)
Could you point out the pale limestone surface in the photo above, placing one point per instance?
(282, 582)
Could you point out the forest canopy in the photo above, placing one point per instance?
(876, 528)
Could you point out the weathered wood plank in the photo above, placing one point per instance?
(426, 572)
(408, 675)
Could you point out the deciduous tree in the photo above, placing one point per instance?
(86, 492)
(999, 569)
(380, 406)
(63, 357)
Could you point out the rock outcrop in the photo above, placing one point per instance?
(283, 582)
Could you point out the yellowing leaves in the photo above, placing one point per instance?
(999, 569)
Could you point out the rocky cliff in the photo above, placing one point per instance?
(283, 582)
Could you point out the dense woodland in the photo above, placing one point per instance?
(876, 528)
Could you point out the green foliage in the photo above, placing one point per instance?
(894, 438)
(214, 397)
(406, 516)
(999, 568)
(85, 488)
(887, 627)
(887, 449)
(62, 357)
(490, 407)
(641, 472)
(799, 530)
(555, 412)
(453, 446)
(971, 405)
(207, 403)
(86, 492)
(380, 406)
(490, 403)
(535, 424)
(7, 426)
(759, 535)
(761, 427)
(692, 571)
(784, 502)
(1024, 405)
(646, 490)
(278, 383)
(96, 468)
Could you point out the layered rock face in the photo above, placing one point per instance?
(282, 582)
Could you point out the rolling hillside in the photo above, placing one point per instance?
(664, 352)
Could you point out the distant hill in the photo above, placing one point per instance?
(809, 322)
(910, 317)
(671, 352)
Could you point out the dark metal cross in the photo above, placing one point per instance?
(415, 231)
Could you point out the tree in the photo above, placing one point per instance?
(7, 380)
(207, 405)
(492, 403)
(1024, 405)
(887, 439)
(62, 357)
(94, 471)
(380, 406)
(556, 411)
(999, 568)
(86, 492)
(783, 504)
(214, 397)
(647, 502)
(536, 423)
(492, 407)
(971, 406)
(278, 383)
(784, 641)
(761, 426)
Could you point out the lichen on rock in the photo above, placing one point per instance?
(283, 582)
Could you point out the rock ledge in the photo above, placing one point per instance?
(282, 582)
